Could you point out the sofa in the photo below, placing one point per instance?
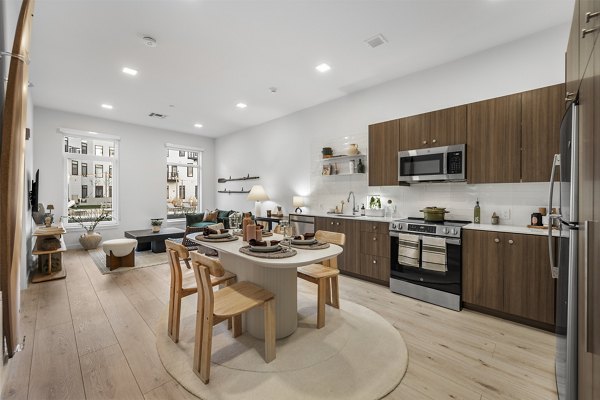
(197, 220)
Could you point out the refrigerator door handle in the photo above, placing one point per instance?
(552, 217)
(586, 287)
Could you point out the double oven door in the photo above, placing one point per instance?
(448, 281)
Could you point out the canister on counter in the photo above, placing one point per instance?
(536, 219)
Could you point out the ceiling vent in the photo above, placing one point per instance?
(376, 40)
(157, 115)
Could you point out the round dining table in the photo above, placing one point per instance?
(277, 275)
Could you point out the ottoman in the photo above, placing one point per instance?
(119, 253)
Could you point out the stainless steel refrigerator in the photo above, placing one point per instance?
(563, 258)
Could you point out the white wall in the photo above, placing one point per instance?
(285, 152)
(142, 167)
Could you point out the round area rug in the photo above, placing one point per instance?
(357, 355)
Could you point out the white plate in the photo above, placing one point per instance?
(304, 242)
(265, 249)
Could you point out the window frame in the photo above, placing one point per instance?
(89, 160)
(75, 167)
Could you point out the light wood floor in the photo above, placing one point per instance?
(92, 336)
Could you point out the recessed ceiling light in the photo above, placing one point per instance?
(241, 105)
(107, 106)
(129, 71)
(197, 125)
(323, 67)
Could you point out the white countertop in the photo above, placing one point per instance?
(510, 229)
(303, 256)
(357, 217)
(477, 227)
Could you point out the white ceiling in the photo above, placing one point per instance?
(214, 54)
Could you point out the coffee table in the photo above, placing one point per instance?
(148, 240)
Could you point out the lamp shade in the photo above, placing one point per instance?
(298, 201)
(257, 193)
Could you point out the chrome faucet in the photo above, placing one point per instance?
(353, 202)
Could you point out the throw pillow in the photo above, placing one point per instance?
(211, 216)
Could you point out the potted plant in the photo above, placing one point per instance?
(92, 217)
(156, 224)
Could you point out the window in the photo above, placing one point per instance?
(111, 151)
(183, 181)
(95, 189)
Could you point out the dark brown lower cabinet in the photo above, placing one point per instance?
(509, 275)
(366, 254)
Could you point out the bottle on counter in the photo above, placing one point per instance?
(477, 213)
(360, 168)
(245, 222)
(362, 210)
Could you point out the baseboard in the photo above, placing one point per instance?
(514, 318)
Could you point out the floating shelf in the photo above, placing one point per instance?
(245, 178)
(343, 158)
(233, 191)
(347, 174)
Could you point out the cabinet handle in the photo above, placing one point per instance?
(331, 222)
(374, 261)
(374, 239)
(569, 96)
(589, 15)
(434, 141)
(585, 32)
(424, 141)
(374, 227)
(497, 240)
(337, 224)
(510, 241)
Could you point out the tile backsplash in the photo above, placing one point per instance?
(513, 200)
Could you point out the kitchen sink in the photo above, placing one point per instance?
(346, 215)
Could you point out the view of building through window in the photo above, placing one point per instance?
(90, 194)
(183, 174)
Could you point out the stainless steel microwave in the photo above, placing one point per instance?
(444, 164)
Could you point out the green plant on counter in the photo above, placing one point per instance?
(156, 221)
(375, 202)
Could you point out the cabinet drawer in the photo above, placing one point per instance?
(376, 244)
(375, 267)
(374, 227)
(335, 225)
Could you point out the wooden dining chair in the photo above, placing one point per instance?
(325, 275)
(228, 302)
(182, 287)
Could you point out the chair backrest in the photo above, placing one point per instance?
(277, 229)
(332, 238)
(176, 253)
(204, 267)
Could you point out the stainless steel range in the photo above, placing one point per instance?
(426, 260)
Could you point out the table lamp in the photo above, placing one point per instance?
(298, 202)
(258, 194)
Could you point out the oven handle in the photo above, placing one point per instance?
(453, 241)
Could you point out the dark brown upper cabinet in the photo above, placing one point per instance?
(494, 140)
(383, 154)
(437, 128)
(542, 111)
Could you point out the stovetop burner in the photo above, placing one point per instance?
(445, 223)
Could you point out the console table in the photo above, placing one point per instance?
(59, 272)
(148, 240)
